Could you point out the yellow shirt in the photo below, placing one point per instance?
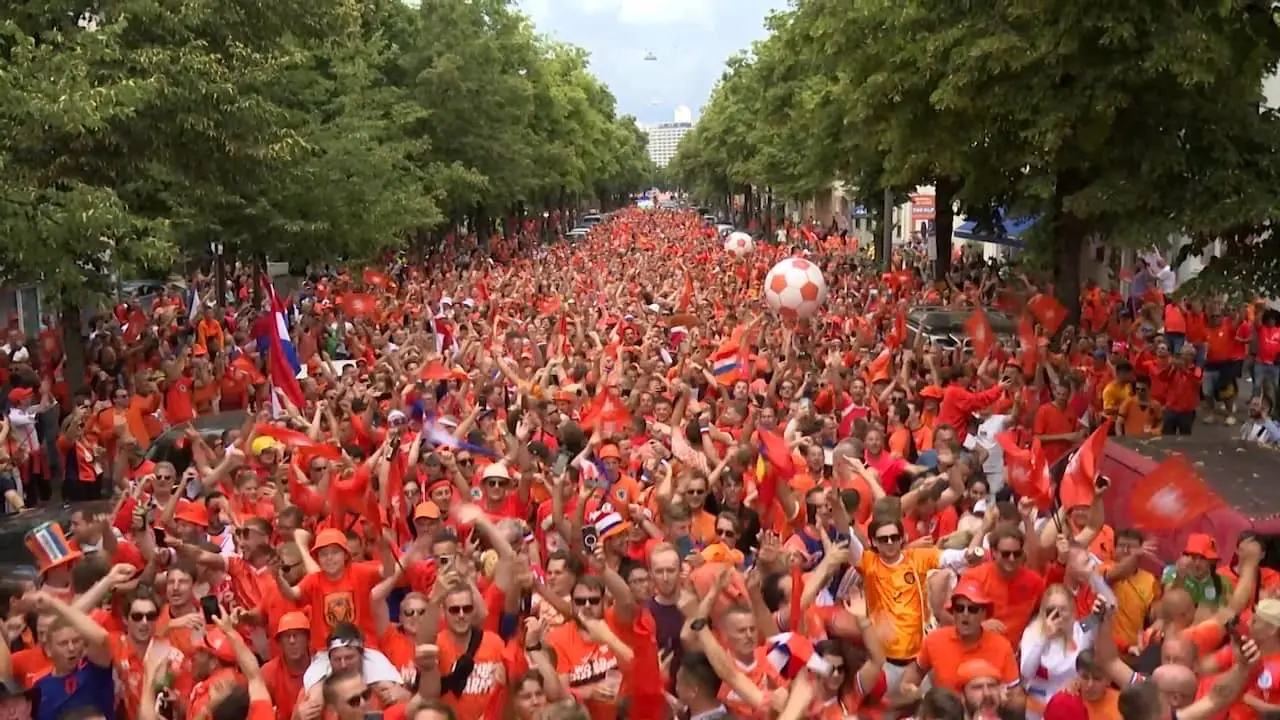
(897, 593)
(1113, 396)
(1134, 598)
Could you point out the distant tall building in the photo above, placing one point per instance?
(665, 137)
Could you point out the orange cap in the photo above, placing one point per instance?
(970, 590)
(293, 621)
(1203, 545)
(426, 509)
(193, 512)
(609, 451)
(330, 537)
(932, 392)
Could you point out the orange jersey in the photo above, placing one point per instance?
(762, 674)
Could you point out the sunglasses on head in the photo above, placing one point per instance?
(585, 601)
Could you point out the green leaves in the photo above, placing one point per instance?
(1122, 123)
(325, 130)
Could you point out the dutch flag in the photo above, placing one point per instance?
(283, 362)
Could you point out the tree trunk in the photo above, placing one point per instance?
(944, 225)
(1069, 243)
(73, 341)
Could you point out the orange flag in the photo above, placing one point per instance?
(358, 305)
(1171, 496)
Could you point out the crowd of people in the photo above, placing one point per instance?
(603, 481)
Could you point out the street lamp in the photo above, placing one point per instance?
(220, 290)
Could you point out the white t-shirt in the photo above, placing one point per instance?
(985, 438)
(1167, 279)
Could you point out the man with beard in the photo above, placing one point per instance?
(986, 695)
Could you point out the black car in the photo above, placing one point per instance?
(945, 326)
(167, 447)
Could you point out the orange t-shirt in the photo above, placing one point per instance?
(1052, 421)
(586, 663)
(484, 695)
(762, 674)
(343, 600)
(1014, 600)
(898, 591)
(943, 652)
(140, 409)
(30, 665)
(209, 688)
(283, 685)
(178, 405)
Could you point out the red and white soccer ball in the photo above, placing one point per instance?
(795, 288)
(739, 243)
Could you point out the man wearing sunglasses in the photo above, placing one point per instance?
(946, 649)
(347, 695)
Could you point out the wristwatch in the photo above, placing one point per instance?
(699, 624)
(533, 648)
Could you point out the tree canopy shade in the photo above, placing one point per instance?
(1123, 122)
(134, 135)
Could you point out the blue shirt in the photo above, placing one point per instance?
(89, 686)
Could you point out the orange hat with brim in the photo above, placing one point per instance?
(192, 512)
(50, 548)
(330, 537)
(293, 621)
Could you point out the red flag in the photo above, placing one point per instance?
(435, 371)
(979, 330)
(1171, 496)
(374, 278)
(1048, 312)
(898, 333)
(1078, 480)
(686, 295)
(779, 467)
(1026, 471)
(1030, 345)
(358, 305)
(607, 412)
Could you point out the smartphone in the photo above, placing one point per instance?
(561, 464)
(209, 604)
(159, 535)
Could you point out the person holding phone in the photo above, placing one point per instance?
(1049, 648)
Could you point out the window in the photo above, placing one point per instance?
(29, 309)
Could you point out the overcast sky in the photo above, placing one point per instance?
(690, 38)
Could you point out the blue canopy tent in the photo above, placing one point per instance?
(1007, 233)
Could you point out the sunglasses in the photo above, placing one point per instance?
(357, 700)
(291, 567)
(152, 616)
(888, 538)
(170, 478)
(695, 491)
(461, 609)
(496, 483)
(413, 612)
(585, 601)
(726, 532)
(966, 609)
(463, 460)
(1010, 554)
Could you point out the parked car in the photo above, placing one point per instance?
(723, 229)
(590, 221)
(576, 234)
(167, 447)
(945, 326)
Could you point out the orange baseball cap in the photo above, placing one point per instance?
(329, 537)
(1201, 544)
(293, 621)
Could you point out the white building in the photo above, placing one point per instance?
(665, 137)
